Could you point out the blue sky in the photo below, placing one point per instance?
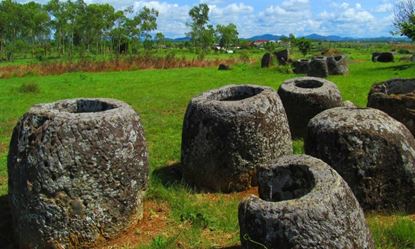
(354, 18)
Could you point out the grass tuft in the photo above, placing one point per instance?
(29, 88)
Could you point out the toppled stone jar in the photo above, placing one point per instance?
(303, 203)
(228, 132)
(318, 67)
(77, 173)
(305, 97)
(396, 97)
(266, 60)
(373, 152)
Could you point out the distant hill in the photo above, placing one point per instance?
(315, 37)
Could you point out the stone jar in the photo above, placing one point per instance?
(303, 203)
(228, 132)
(77, 173)
(373, 152)
(318, 67)
(337, 65)
(396, 97)
(301, 66)
(305, 97)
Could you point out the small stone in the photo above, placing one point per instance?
(303, 203)
(223, 67)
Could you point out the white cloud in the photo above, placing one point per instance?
(385, 8)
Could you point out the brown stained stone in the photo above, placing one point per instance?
(305, 97)
(77, 173)
(396, 97)
(303, 203)
(228, 132)
(373, 152)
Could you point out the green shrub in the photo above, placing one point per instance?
(29, 88)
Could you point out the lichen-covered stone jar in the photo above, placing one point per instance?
(77, 173)
(228, 132)
(373, 152)
(396, 97)
(303, 203)
(305, 97)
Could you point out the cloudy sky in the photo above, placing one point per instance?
(364, 18)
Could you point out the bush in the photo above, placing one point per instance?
(29, 88)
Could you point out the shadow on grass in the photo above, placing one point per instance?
(169, 175)
(396, 68)
(6, 234)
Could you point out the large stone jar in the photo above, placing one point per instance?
(337, 65)
(373, 152)
(303, 203)
(396, 97)
(305, 97)
(77, 173)
(228, 132)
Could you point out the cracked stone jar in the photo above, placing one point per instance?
(77, 173)
(302, 203)
(228, 132)
(373, 152)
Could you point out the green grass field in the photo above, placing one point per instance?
(187, 219)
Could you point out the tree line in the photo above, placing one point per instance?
(75, 27)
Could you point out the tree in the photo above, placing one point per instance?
(303, 45)
(160, 40)
(404, 18)
(202, 34)
(227, 35)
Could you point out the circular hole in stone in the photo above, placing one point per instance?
(290, 182)
(235, 93)
(338, 58)
(308, 84)
(86, 106)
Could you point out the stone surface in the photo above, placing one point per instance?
(337, 65)
(373, 152)
(266, 60)
(228, 132)
(223, 67)
(282, 56)
(77, 173)
(305, 97)
(318, 67)
(382, 57)
(349, 103)
(303, 203)
(301, 66)
(396, 97)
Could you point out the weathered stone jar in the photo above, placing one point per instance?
(303, 203)
(301, 66)
(318, 67)
(396, 97)
(228, 132)
(337, 65)
(305, 97)
(77, 173)
(373, 152)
